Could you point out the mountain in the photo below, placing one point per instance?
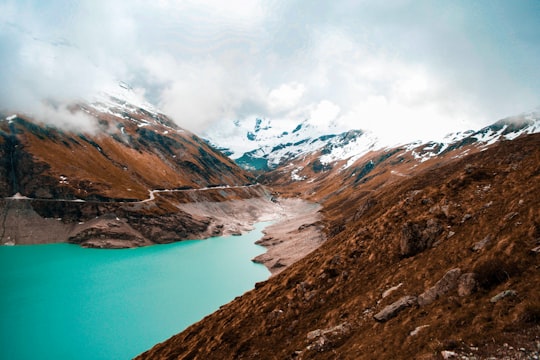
(360, 154)
(433, 259)
(120, 183)
(266, 145)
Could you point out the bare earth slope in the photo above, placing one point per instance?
(444, 261)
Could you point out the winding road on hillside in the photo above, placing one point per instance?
(151, 195)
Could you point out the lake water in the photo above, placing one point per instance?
(61, 301)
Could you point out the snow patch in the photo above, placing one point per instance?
(295, 176)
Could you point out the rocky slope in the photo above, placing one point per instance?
(119, 184)
(428, 260)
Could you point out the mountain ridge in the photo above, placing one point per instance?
(427, 249)
(261, 147)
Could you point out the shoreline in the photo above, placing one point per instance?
(295, 230)
(296, 233)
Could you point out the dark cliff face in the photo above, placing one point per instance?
(443, 259)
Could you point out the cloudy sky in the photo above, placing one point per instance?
(410, 69)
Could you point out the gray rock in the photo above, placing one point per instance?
(467, 284)
(482, 243)
(341, 329)
(446, 354)
(393, 309)
(324, 339)
(417, 237)
(445, 284)
(502, 295)
(417, 330)
(391, 290)
(510, 216)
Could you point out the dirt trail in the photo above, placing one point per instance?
(151, 195)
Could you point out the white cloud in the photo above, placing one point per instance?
(285, 97)
(247, 10)
(63, 117)
(357, 64)
(199, 95)
(324, 114)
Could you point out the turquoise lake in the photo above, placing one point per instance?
(61, 301)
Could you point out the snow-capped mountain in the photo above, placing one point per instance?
(122, 102)
(505, 129)
(129, 150)
(261, 144)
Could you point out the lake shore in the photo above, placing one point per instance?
(296, 233)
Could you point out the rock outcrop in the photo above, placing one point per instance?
(448, 282)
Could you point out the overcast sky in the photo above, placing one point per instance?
(404, 68)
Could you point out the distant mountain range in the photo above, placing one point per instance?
(139, 163)
(259, 145)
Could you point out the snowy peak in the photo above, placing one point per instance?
(124, 102)
(299, 151)
(129, 149)
(505, 129)
(262, 144)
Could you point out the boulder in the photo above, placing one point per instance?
(447, 354)
(418, 329)
(417, 237)
(324, 339)
(393, 309)
(391, 290)
(481, 244)
(467, 284)
(445, 284)
(502, 295)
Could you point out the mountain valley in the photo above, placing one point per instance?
(425, 250)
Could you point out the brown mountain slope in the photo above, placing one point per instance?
(121, 160)
(122, 185)
(445, 260)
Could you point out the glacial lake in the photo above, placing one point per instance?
(61, 301)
